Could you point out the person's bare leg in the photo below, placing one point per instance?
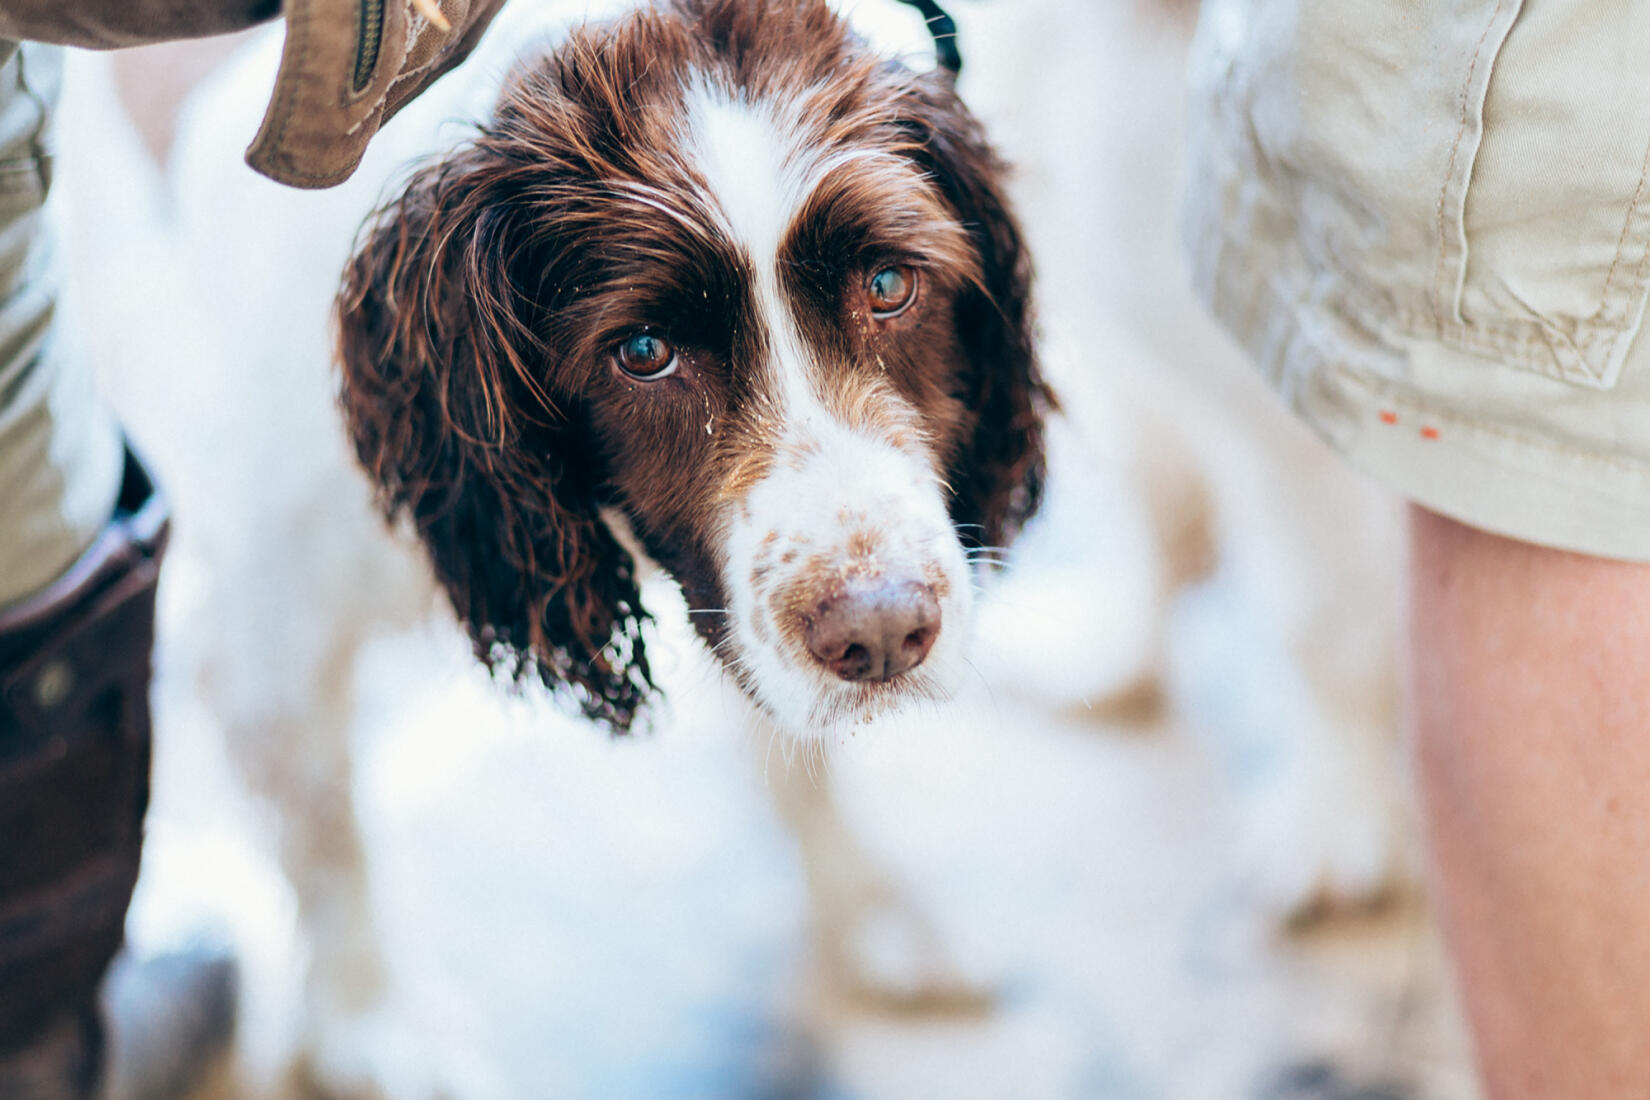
(1529, 694)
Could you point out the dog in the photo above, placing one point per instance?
(915, 448)
(718, 283)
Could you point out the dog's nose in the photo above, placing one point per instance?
(874, 630)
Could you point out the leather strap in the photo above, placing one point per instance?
(114, 24)
(347, 67)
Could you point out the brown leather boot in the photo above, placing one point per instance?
(74, 783)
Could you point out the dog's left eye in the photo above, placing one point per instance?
(891, 290)
(646, 357)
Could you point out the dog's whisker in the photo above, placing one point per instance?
(767, 758)
(808, 757)
(990, 693)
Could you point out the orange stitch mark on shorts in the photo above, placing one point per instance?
(1429, 432)
(1388, 416)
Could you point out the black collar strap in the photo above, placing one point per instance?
(944, 30)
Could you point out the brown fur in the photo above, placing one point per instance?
(478, 317)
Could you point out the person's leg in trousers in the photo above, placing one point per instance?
(1529, 694)
(82, 530)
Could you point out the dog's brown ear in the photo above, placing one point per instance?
(447, 394)
(997, 479)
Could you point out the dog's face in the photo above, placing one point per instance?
(722, 276)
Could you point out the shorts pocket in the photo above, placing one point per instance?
(1544, 246)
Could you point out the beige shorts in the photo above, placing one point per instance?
(1430, 226)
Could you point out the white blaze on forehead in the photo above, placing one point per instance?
(760, 165)
(755, 164)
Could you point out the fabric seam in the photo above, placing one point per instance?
(1449, 171)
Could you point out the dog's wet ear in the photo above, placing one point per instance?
(447, 391)
(997, 478)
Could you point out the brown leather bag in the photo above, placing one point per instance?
(347, 67)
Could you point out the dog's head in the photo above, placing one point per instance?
(718, 272)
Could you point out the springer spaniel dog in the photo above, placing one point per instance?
(717, 284)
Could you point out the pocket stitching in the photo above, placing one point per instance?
(1621, 241)
(1449, 172)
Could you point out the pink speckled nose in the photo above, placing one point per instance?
(873, 629)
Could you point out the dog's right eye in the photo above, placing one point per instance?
(646, 357)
